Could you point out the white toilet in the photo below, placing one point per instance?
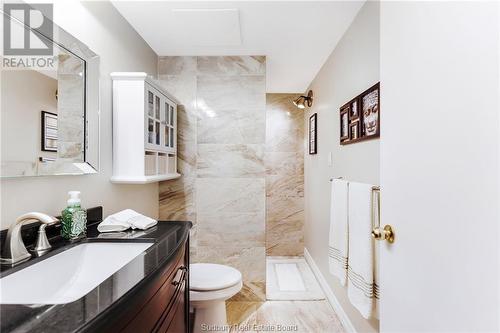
(210, 286)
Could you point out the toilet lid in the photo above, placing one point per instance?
(206, 277)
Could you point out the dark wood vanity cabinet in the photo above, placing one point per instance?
(160, 304)
(166, 311)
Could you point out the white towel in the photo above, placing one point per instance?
(338, 245)
(124, 220)
(361, 287)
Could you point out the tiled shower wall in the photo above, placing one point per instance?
(284, 160)
(239, 151)
(221, 143)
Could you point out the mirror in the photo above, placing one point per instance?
(50, 114)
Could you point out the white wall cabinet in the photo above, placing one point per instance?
(144, 130)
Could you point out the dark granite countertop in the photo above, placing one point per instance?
(167, 237)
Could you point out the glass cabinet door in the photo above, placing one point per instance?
(160, 121)
(172, 126)
(150, 119)
(166, 131)
(151, 131)
(153, 119)
(150, 104)
(169, 131)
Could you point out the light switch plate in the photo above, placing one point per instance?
(330, 159)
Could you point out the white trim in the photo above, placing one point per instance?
(142, 76)
(144, 179)
(129, 75)
(330, 296)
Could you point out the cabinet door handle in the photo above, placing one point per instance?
(181, 269)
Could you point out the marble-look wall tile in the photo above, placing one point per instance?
(70, 150)
(285, 124)
(217, 93)
(243, 229)
(284, 161)
(232, 65)
(232, 126)
(182, 87)
(70, 106)
(286, 143)
(285, 237)
(180, 65)
(288, 186)
(230, 195)
(70, 128)
(279, 103)
(281, 208)
(186, 142)
(230, 161)
(221, 152)
(177, 198)
(251, 261)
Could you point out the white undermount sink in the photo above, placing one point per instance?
(68, 275)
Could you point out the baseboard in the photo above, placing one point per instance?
(330, 296)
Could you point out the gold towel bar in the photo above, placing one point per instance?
(374, 188)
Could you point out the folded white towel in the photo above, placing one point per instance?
(362, 289)
(124, 220)
(338, 245)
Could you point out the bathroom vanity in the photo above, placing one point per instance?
(133, 281)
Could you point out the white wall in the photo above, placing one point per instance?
(351, 68)
(104, 30)
(25, 94)
(439, 166)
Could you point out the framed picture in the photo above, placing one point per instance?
(360, 117)
(354, 112)
(354, 131)
(313, 135)
(49, 131)
(344, 124)
(370, 101)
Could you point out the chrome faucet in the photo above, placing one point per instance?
(14, 248)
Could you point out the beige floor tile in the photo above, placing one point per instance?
(307, 316)
(239, 313)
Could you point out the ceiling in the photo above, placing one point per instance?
(296, 36)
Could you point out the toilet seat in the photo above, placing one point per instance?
(212, 277)
(200, 298)
(210, 285)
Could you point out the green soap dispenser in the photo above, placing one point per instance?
(74, 218)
